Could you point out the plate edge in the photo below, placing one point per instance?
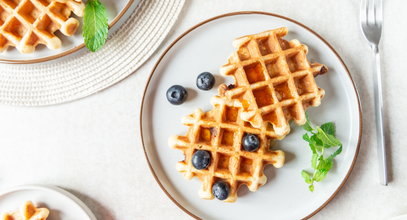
(56, 189)
(245, 13)
(72, 50)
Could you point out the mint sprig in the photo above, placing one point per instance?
(95, 25)
(319, 139)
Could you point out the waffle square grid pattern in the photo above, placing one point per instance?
(273, 83)
(26, 23)
(220, 132)
(273, 80)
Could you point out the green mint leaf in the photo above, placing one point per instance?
(314, 161)
(320, 138)
(306, 137)
(328, 164)
(336, 153)
(311, 143)
(334, 142)
(324, 166)
(317, 142)
(321, 163)
(307, 126)
(313, 148)
(320, 175)
(327, 139)
(95, 25)
(329, 128)
(306, 176)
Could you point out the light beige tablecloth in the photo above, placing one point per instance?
(92, 148)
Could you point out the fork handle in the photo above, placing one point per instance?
(381, 139)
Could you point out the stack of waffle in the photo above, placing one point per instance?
(273, 83)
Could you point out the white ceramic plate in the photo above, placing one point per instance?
(285, 196)
(62, 204)
(117, 10)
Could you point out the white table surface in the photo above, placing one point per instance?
(91, 147)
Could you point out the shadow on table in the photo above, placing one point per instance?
(100, 211)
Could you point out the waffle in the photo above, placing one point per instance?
(273, 80)
(26, 23)
(220, 131)
(28, 212)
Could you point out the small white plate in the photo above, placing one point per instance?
(62, 204)
(117, 11)
(206, 47)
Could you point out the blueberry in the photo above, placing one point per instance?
(251, 142)
(221, 190)
(176, 95)
(205, 81)
(201, 159)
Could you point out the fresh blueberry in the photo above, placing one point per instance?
(221, 190)
(251, 142)
(201, 159)
(205, 81)
(176, 95)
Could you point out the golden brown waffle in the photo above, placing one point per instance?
(26, 23)
(28, 212)
(220, 132)
(273, 80)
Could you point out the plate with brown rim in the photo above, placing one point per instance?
(205, 47)
(117, 10)
(62, 205)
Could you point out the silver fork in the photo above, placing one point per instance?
(371, 20)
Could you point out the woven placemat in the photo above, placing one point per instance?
(85, 73)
